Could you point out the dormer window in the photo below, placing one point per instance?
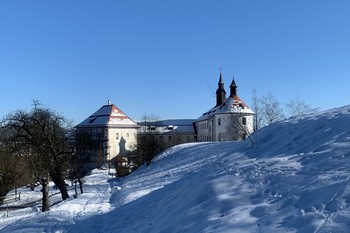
(170, 127)
(92, 120)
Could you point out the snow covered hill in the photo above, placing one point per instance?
(295, 179)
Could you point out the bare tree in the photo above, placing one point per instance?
(235, 130)
(272, 111)
(40, 136)
(256, 107)
(269, 110)
(297, 107)
(11, 171)
(79, 160)
(149, 144)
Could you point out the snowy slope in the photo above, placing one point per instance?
(295, 179)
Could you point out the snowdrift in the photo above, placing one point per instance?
(294, 179)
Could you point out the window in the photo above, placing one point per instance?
(169, 138)
(127, 135)
(117, 136)
(219, 121)
(244, 121)
(92, 120)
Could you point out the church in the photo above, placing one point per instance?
(229, 120)
(114, 135)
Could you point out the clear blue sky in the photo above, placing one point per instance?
(164, 57)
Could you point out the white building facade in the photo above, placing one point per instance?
(112, 133)
(230, 120)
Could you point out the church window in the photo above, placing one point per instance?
(244, 121)
(219, 121)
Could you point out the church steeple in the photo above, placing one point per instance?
(220, 92)
(233, 88)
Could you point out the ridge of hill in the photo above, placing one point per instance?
(295, 179)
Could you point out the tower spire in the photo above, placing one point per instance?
(220, 92)
(233, 88)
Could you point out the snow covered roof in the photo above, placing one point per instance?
(232, 104)
(108, 115)
(177, 126)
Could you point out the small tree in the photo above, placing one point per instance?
(237, 125)
(256, 107)
(88, 148)
(297, 107)
(272, 111)
(149, 144)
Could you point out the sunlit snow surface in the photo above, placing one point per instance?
(294, 179)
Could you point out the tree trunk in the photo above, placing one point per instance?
(57, 178)
(75, 188)
(80, 185)
(45, 201)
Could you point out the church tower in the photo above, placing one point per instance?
(220, 92)
(233, 88)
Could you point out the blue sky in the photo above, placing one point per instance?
(164, 57)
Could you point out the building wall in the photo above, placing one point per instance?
(104, 144)
(225, 127)
(121, 141)
(232, 127)
(204, 130)
(172, 139)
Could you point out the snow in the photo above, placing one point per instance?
(170, 125)
(294, 179)
(108, 115)
(231, 105)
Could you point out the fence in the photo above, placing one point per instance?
(37, 202)
(11, 198)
